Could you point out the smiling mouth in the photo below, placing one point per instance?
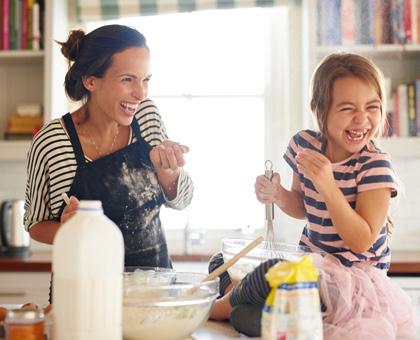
(129, 108)
(356, 135)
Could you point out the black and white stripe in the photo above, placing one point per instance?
(52, 166)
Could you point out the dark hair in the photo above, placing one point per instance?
(91, 54)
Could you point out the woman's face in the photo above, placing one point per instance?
(124, 85)
(353, 118)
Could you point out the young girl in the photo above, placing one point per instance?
(342, 185)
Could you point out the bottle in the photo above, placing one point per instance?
(88, 264)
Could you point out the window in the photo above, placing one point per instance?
(212, 75)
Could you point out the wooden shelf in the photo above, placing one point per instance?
(17, 56)
(14, 150)
(383, 50)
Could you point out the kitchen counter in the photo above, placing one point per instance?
(40, 261)
(403, 262)
(216, 330)
(213, 330)
(210, 331)
(223, 330)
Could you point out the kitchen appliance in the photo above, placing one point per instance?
(14, 239)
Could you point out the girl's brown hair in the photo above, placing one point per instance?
(340, 65)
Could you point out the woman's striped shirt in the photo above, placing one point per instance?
(52, 166)
(365, 170)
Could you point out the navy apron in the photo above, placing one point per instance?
(126, 184)
(131, 196)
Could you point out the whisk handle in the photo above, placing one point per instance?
(269, 208)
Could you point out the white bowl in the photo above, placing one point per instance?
(170, 306)
(262, 252)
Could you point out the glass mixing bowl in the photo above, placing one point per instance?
(135, 276)
(264, 251)
(166, 304)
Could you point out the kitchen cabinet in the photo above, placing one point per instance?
(23, 287)
(399, 62)
(411, 285)
(34, 77)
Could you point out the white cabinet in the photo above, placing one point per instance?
(411, 285)
(24, 287)
(34, 77)
(400, 63)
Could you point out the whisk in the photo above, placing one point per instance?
(269, 243)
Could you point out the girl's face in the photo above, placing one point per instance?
(353, 118)
(124, 85)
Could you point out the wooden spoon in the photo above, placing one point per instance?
(233, 260)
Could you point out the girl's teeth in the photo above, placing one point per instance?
(356, 135)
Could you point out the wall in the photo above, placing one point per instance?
(405, 210)
(12, 179)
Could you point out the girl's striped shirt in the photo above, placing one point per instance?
(366, 170)
(52, 166)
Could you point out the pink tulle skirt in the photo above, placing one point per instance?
(363, 303)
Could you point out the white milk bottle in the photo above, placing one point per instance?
(88, 265)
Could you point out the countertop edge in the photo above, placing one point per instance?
(41, 262)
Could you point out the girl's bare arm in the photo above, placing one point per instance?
(358, 227)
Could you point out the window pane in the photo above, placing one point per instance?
(226, 140)
(208, 82)
(209, 52)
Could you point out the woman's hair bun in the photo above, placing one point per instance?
(71, 47)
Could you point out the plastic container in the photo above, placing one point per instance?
(88, 265)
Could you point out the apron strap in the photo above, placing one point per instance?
(136, 130)
(74, 139)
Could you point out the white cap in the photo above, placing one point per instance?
(90, 205)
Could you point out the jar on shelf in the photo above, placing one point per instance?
(25, 324)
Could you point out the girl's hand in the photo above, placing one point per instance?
(69, 209)
(266, 190)
(316, 167)
(168, 156)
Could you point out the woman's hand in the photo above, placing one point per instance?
(317, 168)
(168, 156)
(266, 190)
(167, 159)
(69, 209)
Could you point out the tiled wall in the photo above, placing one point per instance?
(405, 210)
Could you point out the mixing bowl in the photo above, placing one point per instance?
(162, 304)
(262, 252)
(135, 276)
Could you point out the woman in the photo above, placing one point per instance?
(114, 148)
